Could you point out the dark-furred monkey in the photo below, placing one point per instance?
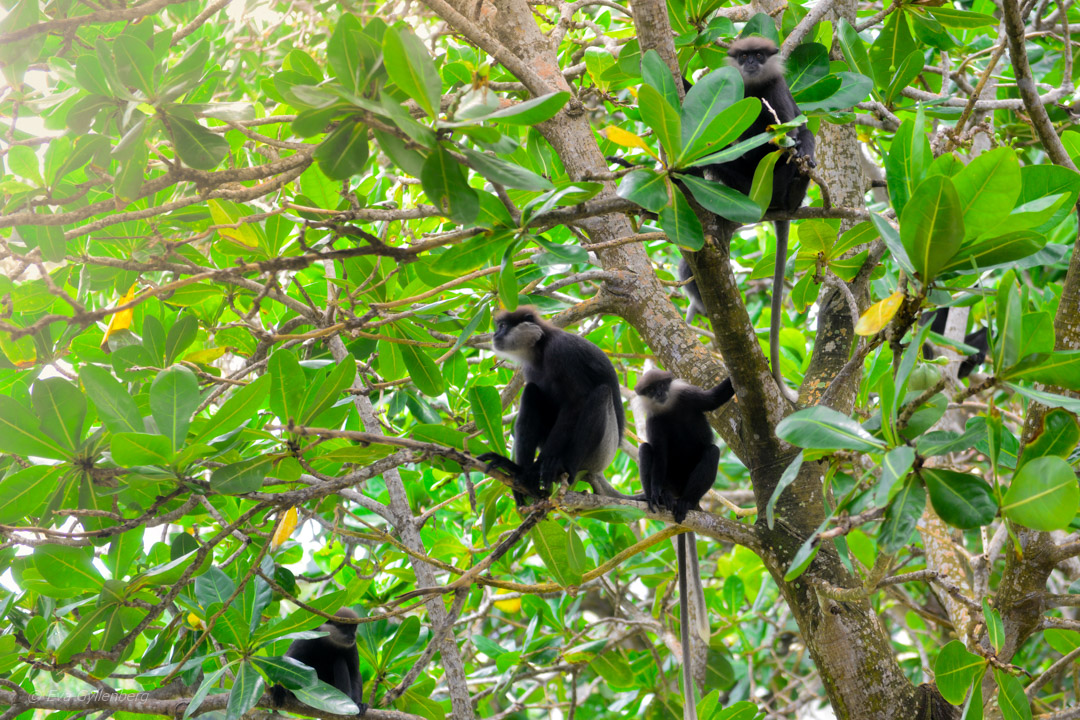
(571, 409)
(678, 464)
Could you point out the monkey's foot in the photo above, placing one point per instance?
(363, 709)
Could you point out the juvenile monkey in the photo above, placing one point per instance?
(678, 464)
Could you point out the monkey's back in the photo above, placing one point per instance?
(570, 367)
(686, 435)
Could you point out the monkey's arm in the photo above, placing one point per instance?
(700, 400)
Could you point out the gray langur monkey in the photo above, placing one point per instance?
(571, 408)
(678, 462)
(758, 62)
(334, 658)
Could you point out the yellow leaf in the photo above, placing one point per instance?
(285, 529)
(627, 139)
(194, 621)
(120, 320)
(205, 356)
(878, 315)
(21, 353)
(508, 606)
(244, 234)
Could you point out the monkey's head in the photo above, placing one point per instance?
(517, 333)
(340, 634)
(757, 59)
(654, 388)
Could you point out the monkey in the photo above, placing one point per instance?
(334, 658)
(979, 339)
(758, 62)
(678, 462)
(571, 409)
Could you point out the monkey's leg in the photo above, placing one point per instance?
(584, 437)
(689, 704)
(343, 681)
(701, 478)
(536, 417)
(646, 463)
(782, 227)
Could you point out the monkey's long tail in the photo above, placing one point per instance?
(782, 227)
(689, 704)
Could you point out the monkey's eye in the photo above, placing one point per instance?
(760, 57)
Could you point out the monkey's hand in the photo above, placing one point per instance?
(495, 461)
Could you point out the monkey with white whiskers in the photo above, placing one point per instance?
(758, 62)
(678, 464)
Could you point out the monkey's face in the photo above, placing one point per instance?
(655, 387)
(516, 340)
(342, 635)
(757, 64)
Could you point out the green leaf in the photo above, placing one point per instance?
(715, 95)
(962, 500)
(854, 49)
(646, 188)
(931, 227)
(62, 409)
(988, 188)
(422, 370)
(1010, 324)
(805, 554)
(197, 147)
(131, 449)
(238, 410)
(656, 74)
(174, 395)
(681, 224)
(182, 333)
(761, 188)
(246, 690)
(134, 63)
(995, 628)
(505, 173)
(1043, 495)
(20, 433)
(68, 567)
(530, 112)
(723, 129)
(552, 544)
(242, 477)
(345, 53)
(662, 118)
(1011, 699)
(906, 163)
(892, 46)
(1064, 641)
(344, 152)
(24, 493)
(908, 70)
(808, 64)
(997, 251)
(410, 67)
(286, 386)
(487, 411)
(445, 184)
(894, 466)
(286, 671)
(823, 428)
(956, 670)
(790, 473)
(1057, 435)
(472, 254)
(902, 515)
(1059, 369)
(322, 397)
(961, 19)
(722, 200)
